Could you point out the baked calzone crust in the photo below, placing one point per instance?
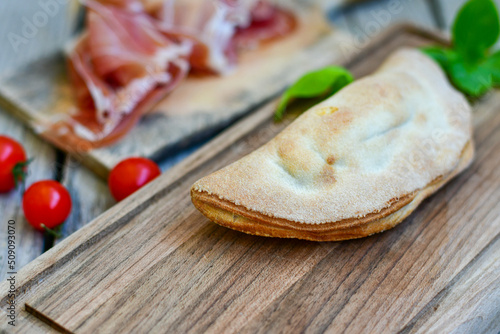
(355, 164)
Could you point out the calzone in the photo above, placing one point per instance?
(356, 164)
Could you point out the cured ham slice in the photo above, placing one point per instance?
(267, 22)
(129, 58)
(218, 27)
(119, 69)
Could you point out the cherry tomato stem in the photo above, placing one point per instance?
(55, 232)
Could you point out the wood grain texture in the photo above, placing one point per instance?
(464, 306)
(29, 242)
(152, 263)
(90, 194)
(53, 23)
(39, 93)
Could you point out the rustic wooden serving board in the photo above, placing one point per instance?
(153, 263)
(200, 106)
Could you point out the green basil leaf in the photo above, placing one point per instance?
(492, 64)
(442, 56)
(471, 79)
(474, 80)
(325, 81)
(476, 29)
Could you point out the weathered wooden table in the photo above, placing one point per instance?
(90, 194)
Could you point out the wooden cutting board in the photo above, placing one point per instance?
(198, 107)
(154, 264)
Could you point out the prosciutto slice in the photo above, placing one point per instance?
(119, 69)
(266, 23)
(129, 58)
(217, 28)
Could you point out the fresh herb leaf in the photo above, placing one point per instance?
(469, 64)
(492, 64)
(443, 57)
(476, 29)
(474, 80)
(326, 81)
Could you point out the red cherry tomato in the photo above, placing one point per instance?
(130, 175)
(12, 163)
(46, 202)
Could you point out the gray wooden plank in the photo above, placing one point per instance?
(368, 19)
(29, 242)
(33, 28)
(29, 29)
(90, 194)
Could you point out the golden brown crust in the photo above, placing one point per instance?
(241, 219)
(204, 199)
(377, 140)
(355, 164)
